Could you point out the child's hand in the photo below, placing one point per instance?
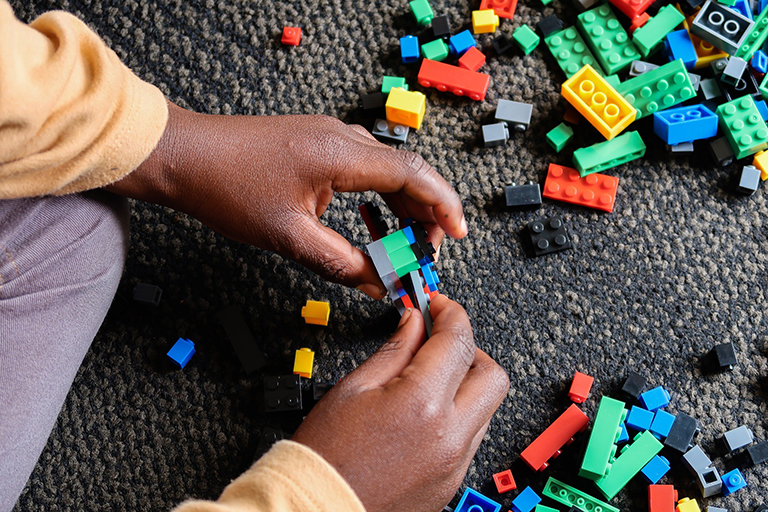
(267, 180)
(404, 426)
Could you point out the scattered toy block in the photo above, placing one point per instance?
(504, 481)
(580, 387)
(552, 440)
(291, 36)
(316, 312)
(593, 191)
(302, 363)
(181, 352)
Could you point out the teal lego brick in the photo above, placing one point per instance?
(570, 497)
(388, 82)
(525, 38)
(605, 155)
(422, 11)
(756, 37)
(743, 126)
(650, 37)
(403, 261)
(435, 50)
(658, 89)
(570, 51)
(544, 508)
(559, 136)
(633, 458)
(607, 39)
(601, 447)
(395, 241)
(613, 80)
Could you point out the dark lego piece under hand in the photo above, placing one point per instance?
(634, 385)
(282, 393)
(502, 44)
(549, 25)
(148, 293)
(319, 389)
(389, 131)
(268, 437)
(682, 432)
(548, 235)
(758, 453)
(523, 197)
(248, 351)
(373, 103)
(441, 28)
(724, 356)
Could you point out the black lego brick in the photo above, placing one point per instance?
(248, 351)
(682, 432)
(634, 384)
(282, 393)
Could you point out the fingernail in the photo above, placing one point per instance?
(464, 227)
(405, 317)
(372, 291)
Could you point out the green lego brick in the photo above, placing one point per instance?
(571, 497)
(546, 2)
(604, 155)
(729, 3)
(607, 39)
(395, 241)
(544, 508)
(743, 126)
(403, 261)
(613, 80)
(633, 458)
(756, 37)
(570, 51)
(559, 136)
(658, 89)
(764, 87)
(525, 38)
(605, 432)
(650, 36)
(388, 82)
(435, 50)
(422, 11)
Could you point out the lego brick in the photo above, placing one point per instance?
(720, 26)
(559, 136)
(658, 89)
(460, 82)
(639, 22)
(632, 459)
(473, 501)
(148, 293)
(571, 497)
(661, 498)
(720, 151)
(662, 423)
(742, 7)
(580, 386)
(435, 50)
(181, 352)
(744, 128)
(759, 62)
(570, 51)
(248, 352)
(390, 82)
(406, 107)
(496, 134)
(409, 49)
(648, 38)
(634, 384)
(282, 393)
(761, 162)
(655, 399)
(523, 197)
(655, 469)
(679, 45)
(745, 86)
(548, 235)
(484, 21)
(632, 8)
(389, 131)
(503, 8)
(755, 37)
(422, 12)
(549, 25)
(763, 88)
(557, 435)
(718, 66)
(598, 102)
(623, 434)
(594, 191)
(461, 42)
(441, 27)
(613, 80)
(525, 38)
(696, 460)
(687, 505)
(684, 148)
(609, 154)
(718, 509)
(319, 389)
(583, 5)
(709, 89)
(733, 481)
(473, 59)
(316, 312)
(605, 431)
(758, 453)
(381, 261)
(373, 102)
(762, 108)
(267, 438)
(291, 36)
(502, 44)
(738, 438)
(607, 39)
(685, 124)
(690, 6)
(303, 361)
(525, 501)
(639, 419)
(682, 432)
(422, 300)
(695, 81)
(504, 481)
(639, 67)
(544, 508)
(709, 482)
(749, 180)
(516, 114)
(733, 71)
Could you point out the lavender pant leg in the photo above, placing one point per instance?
(61, 259)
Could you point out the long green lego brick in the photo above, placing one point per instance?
(605, 432)
(604, 155)
(756, 37)
(743, 126)
(570, 51)
(571, 497)
(658, 89)
(649, 37)
(633, 458)
(607, 39)
(544, 508)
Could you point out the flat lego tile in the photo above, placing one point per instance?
(557, 435)
(593, 191)
(548, 235)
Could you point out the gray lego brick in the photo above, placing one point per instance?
(696, 460)
(695, 81)
(718, 66)
(683, 148)
(709, 482)
(639, 67)
(749, 181)
(516, 114)
(422, 299)
(720, 26)
(387, 130)
(710, 89)
(741, 436)
(733, 71)
(496, 134)
(716, 509)
(384, 267)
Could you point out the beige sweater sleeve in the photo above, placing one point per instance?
(72, 116)
(289, 478)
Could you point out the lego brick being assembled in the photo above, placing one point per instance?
(548, 235)
(390, 131)
(649, 37)
(682, 432)
(282, 393)
(525, 501)
(720, 26)
(502, 8)
(593, 191)
(523, 197)
(496, 134)
(552, 440)
(634, 384)
(632, 459)
(607, 39)
(685, 124)
(605, 430)
(738, 438)
(606, 155)
(580, 386)
(655, 399)
(570, 51)
(516, 114)
(661, 498)
(571, 497)
(743, 126)
(473, 501)
(658, 89)
(248, 351)
(461, 82)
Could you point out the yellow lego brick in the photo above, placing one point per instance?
(598, 102)
(406, 107)
(687, 505)
(302, 365)
(485, 21)
(761, 162)
(316, 312)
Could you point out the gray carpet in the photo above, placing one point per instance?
(676, 268)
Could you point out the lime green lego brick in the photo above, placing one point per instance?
(570, 497)
(403, 261)
(544, 508)
(605, 431)
(435, 50)
(570, 51)
(650, 36)
(525, 38)
(388, 82)
(764, 87)
(633, 458)
(756, 37)
(395, 241)
(743, 126)
(658, 89)
(422, 11)
(559, 136)
(604, 155)
(607, 39)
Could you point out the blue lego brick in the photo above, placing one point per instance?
(763, 109)
(684, 124)
(662, 423)
(409, 49)
(473, 501)
(654, 470)
(733, 481)
(181, 352)
(408, 232)
(525, 501)
(759, 62)
(678, 45)
(461, 42)
(430, 276)
(655, 399)
(742, 7)
(623, 435)
(639, 419)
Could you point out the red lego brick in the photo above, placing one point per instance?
(504, 481)
(632, 8)
(502, 8)
(638, 22)
(291, 36)
(461, 82)
(580, 387)
(560, 433)
(593, 191)
(473, 59)
(661, 498)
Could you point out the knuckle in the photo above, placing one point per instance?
(335, 268)
(414, 164)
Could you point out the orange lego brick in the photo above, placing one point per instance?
(593, 191)
(661, 498)
(560, 433)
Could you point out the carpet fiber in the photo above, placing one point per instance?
(678, 267)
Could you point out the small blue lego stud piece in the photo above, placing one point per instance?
(473, 501)
(655, 469)
(624, 435)
(733, 481)
(181, 352)
(462, 42)
(759, 62)
(525, 501)
(662, 423)
(655, 399)
(408, 232)
(639, 419)
(409, 49)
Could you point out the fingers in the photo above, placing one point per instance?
(483, 390)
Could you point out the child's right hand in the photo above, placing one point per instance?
(404, 426)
